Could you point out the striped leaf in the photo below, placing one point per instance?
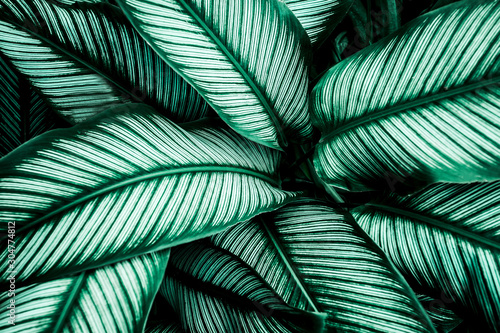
(213, 291)
(316, 258)
(114, 298)
(422, 106)
(319, 18)
(125, 183)
(247, 58)
(447, 239)
(86, 59)
(23, 114)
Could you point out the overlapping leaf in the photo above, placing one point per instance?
(447, 238)
(126, 183)
(315, 258)
(247, 58)
(85, 59)
(23, 114)
(214, 291)
(420, 107)
(114, 298)
(443, 318)
(319, 18)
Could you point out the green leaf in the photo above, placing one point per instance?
(213, 291)
(114, 298)
(248, 59)
(446, 238)
(125, 183)
(24, 115)
(443, 318)
(317, 258)
(319, 18)
(85, 59)
(420, 107)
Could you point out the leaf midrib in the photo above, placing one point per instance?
(368, 118)
(270, 110)
(289, 265)
(439, 224)
(65, 313)
(144, 177)
(282, 142)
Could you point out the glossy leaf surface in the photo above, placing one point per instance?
(114, 298)
(247, 58)
(447, 238)
(126, 183)
(316, 258)
(213, 291)
(420, 107)
(85, 59)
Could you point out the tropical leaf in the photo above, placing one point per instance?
(126, 183)
(248, 59)
(85, 59)
(316, 258)
(446, 238)
(114, 298)
(212, 290)
(420, 107)
(443, 318)
(319, 18)
(24, 115)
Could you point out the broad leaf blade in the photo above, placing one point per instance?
(85, 59)
(214, 291)
(319, 18)
(126, 183)
(316, 258)
(419, 107)
(446, 238)
(114, 298)
(248, 59)
(23, 113)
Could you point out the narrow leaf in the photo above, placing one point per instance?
(85, 59)
(114, 298)
(446, 238)
(248, 59)
(419, 107)
(125, 183)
